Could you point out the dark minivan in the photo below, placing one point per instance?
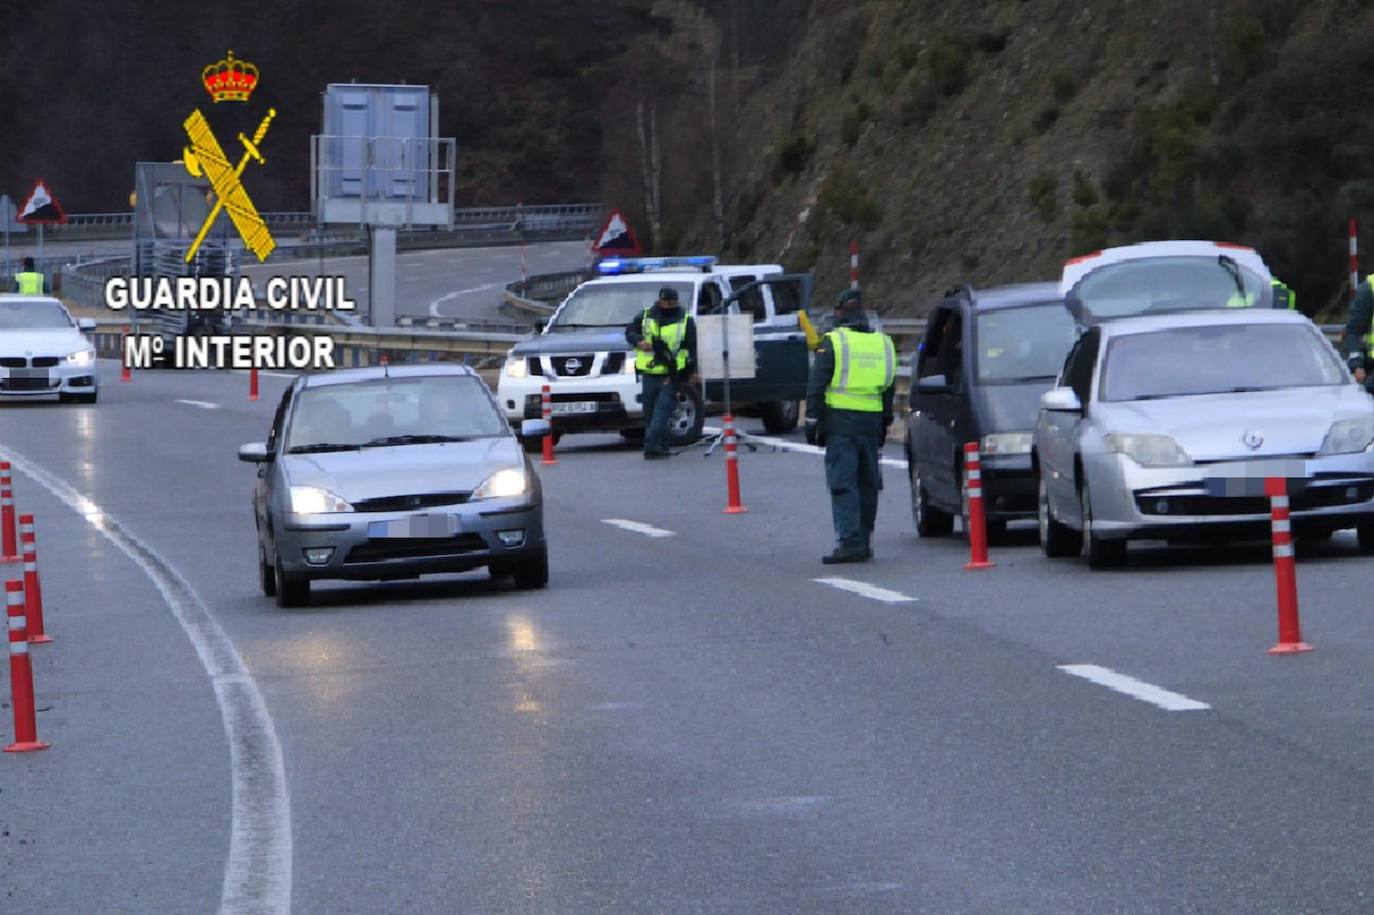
(987, 356)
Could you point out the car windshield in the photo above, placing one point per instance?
(612, 304)
(1180, 283)
(38, 314)
(393, 411)
(1216, 359)
(1023, 344)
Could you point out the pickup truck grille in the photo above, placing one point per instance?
(572, 366)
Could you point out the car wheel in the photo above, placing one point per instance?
(688, 419)
(1364, 534)
(930, 521)
(1056, 540)
(780, 416)
(532, 573)
(267, 576)
(1101, 554)
(291, 592)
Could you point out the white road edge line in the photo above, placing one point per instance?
(638, 527)
(799, 447)
(1137, 689)
(203, 404)
(257, 874)
(434, 305)
(864, 589)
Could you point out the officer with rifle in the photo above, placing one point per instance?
(665, 340)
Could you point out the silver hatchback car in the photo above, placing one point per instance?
(391, 473)
(1165, 427)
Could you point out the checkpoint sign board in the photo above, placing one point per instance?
(41, 208)
(616, 238)
(711, 331)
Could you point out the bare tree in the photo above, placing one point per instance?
(717, 190)
(652, 167)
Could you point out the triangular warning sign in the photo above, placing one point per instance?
(41, 207)
(616, 238)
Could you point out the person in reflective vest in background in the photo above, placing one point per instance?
(849, 410)
(1283, 296)
(1358, 340)
(665, 340)
(28, 281)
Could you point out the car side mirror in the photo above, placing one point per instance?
(535, 428)
(85, 324)
(1061, 400)
(932, 384)
(540, 324)
(254, 453)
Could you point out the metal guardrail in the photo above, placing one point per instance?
(533, 220)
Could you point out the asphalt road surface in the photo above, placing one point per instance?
(442, 282)
(687, 720)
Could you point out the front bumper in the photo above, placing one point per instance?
(48, 381)
(617, 400)
(1226, 500)
(1009, 487)
(359, 556)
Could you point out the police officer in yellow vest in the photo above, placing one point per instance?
(665, 340)
(848, 410)
(1283, 295)
(28, 281)
(1358, 341)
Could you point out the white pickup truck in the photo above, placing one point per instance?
(582, 354)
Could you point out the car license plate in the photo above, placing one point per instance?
(575, 406)
(416, 526)
(1246, 478)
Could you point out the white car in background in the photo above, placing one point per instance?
(43, 350)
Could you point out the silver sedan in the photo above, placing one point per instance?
(1166, 428)
(394, 472)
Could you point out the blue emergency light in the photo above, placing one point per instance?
(616, 265)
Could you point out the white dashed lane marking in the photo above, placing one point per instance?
(203, 404)
(864, 589)
(1137, 689)
(647, 530)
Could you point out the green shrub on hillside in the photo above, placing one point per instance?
(1084, 194)
(793, 156)
(946, 59)
(1044, 195)
(845, 197)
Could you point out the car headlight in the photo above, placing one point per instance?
(81, 357)
(312, 500)
(503, 484)
(1348, 436)
(1149, 450)
(517, 367)
(1007, 443)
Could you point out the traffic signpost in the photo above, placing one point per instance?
(41, 209)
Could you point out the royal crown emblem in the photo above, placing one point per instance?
(230, 80)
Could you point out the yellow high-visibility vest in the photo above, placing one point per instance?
(865, 367)
(30, 283)
(674, 336)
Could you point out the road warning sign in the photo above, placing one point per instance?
(41, 207)
(616, 238)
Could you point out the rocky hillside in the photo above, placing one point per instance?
(985, 142)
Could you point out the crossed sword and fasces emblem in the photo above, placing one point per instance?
(205, 157)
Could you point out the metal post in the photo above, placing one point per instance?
(381, 258)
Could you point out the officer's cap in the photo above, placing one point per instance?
(850, 298)
(667, 294)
